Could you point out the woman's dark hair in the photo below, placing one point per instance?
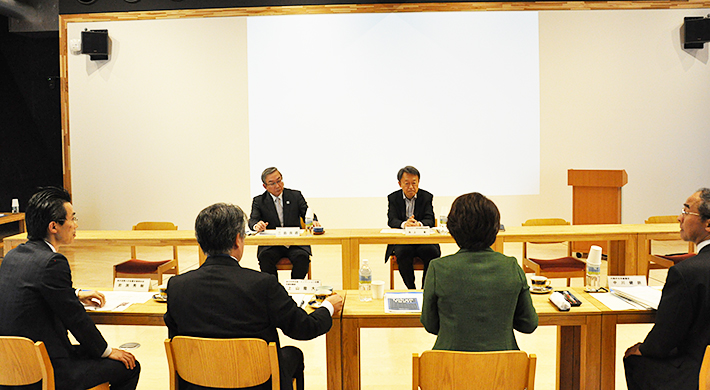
(473, 221)
(44, 207)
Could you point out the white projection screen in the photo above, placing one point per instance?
(355, 97)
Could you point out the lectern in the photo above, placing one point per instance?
(596, 199)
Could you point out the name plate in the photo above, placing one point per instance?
(288, 231)
(301, 286)
(626, 280)
(129, 284)
(417, 230)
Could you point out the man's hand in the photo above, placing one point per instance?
(316, 223)
(337, 302)
(92, 298)
(633, 350)
(260, 226)
(124, 357)
(411, 222)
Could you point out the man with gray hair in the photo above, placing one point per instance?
(279, 206)
(223, 300)
(671, 354)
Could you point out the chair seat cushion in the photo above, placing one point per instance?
(137, 266)
(677, 258)
(562, 264)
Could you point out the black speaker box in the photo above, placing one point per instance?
(95, 44)
(697, 32)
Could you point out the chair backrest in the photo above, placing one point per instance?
(662, 219)
(545, 222)
(668, 219)
(224, 363)
(24, 362)
(155, 226)
(705, 371)
(500, 370)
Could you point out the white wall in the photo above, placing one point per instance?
(617, 92)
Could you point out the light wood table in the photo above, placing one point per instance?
(628, 254)
(578, 342)
(610, 319)
(8, 218)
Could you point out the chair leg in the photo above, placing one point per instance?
(103, 386)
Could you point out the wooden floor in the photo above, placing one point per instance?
(386, 353)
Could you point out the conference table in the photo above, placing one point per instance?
(586, 336)
(628, 243)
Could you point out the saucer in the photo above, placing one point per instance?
(160, 299)
(543, 291)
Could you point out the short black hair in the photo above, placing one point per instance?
(408, 169)
(44, 207)
(704, 206)
(473, 221)
(217, 227)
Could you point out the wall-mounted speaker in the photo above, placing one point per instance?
(95, 44)
(696, 32)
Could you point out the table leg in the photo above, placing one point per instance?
(351, 263)
(568, 359)
(333, 355)
(643, 248)
(579, 355)
(608, 351)
(590, 359)
(351, 354)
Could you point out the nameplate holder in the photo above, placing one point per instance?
(417, 230)
(130, 284)
(626, 280)
(288, 231)
(301, 286)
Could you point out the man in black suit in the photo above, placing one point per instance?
(37, 301)
(279, 206)
(410, 206)
(223, 300)
(671, 354)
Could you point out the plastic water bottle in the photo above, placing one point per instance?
(365, 282)
(309, 219)
(15, 206)
(594, 264)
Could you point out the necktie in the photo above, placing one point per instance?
(280, 209)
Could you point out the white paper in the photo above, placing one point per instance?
(615, 303)
(120, 300)
(404, 302)
(392, 231)
(643, 295)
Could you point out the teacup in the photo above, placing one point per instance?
(539, 283)
(322, 293)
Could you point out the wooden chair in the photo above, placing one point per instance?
(563, 267)
(155, 269)
(665, 261)
(25, 362)
(704, 380)
(449, 370)
(222, 363)
(417, 263)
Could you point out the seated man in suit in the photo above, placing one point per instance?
(410, 206)
(279, 206)
(671, 354)
(37, 301)
(223, 300)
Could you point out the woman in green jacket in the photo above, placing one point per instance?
(474, 298)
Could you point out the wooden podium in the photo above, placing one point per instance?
(596, 199)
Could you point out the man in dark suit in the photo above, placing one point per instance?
(223, 300)
(37, 301)
(279, 206)
(671, 354)
(410, 206)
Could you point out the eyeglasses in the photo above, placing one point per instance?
(686, 212)
(75, 219)
(274, 183)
